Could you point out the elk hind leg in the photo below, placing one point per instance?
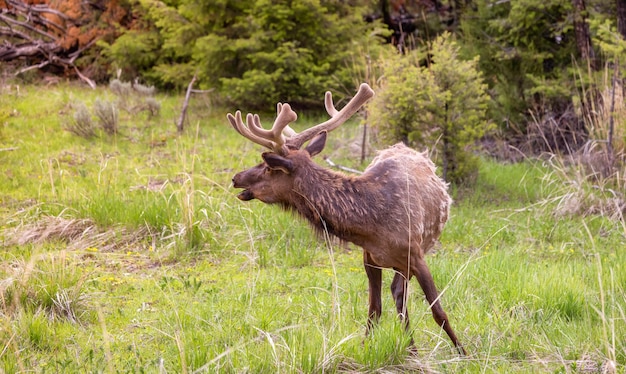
(399, 291)
(427, 283)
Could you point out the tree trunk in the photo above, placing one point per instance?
(583, 36)
(621, 17)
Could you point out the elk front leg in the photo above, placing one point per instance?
(427, 283)
(374, 277)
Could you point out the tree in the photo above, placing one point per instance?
(440, 104)
(530, 49)
(254, 52)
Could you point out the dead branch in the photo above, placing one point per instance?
(9, 149)
(32, 67)
(26, 26)
(341, 167)
(91, 83)
(183, 112)
(38, 8)
(202, 91)
(10, 52)
(7, 31)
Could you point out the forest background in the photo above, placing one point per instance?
(550, 67)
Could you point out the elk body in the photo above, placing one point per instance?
(395, 210)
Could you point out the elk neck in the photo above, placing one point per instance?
(340, 204)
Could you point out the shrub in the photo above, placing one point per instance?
(441, 105)
(107, 113)
(144, 90)
(135, 97)
(82, 124)
(119, 88)
(152, 106)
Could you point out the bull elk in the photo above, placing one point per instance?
(395, 210)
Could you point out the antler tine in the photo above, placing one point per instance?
(337, 117)
(284, 116)
(272, 138)
(287, 131)
(328, 103)
(237, 123)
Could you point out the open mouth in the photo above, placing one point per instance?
(245, 195)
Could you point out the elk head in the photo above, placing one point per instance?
(272, 180)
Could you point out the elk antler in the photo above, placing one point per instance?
(337, 117)
(273, 138)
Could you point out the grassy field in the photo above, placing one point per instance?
(129, 252)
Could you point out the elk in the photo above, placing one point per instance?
(395, 210)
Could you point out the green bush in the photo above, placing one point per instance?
(433, 99)
(254, 52)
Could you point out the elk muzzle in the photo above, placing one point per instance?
(246, 194)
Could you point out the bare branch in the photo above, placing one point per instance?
(9, 52)
(203, 91)
(32, 67)
(341, 167)
(77, 53)
(8, 31)
(25, 25)
(183, 112)
(39, 8)
(91, 83)
(30, 32)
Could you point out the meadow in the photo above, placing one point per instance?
(129, 252)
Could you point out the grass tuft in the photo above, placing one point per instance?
(48, 284)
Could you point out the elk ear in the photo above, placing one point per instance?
(317, 144)
(277, 162)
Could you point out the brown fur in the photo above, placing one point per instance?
(395, 211)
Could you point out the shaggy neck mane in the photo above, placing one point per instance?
(340, 204)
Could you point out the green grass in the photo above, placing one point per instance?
(131, 253)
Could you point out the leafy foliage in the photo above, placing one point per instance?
(257, 52)
(442, 105)
(528, 51)
(524, 46)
